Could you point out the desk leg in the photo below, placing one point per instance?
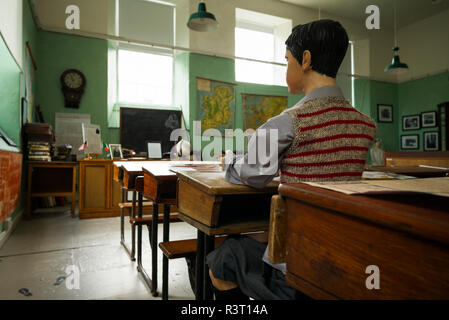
(140, 267)
(133, 228)
(73, 191)
(199, 266)
(122, 217)
(154, 226)
(139, 237)
(164, 258)
(209, 245)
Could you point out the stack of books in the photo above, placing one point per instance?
(39, 141)
(39, 151)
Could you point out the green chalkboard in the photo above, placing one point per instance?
(10, 106)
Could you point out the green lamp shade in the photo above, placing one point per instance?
(202, 20)
(396, 66)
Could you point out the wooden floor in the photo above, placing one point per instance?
(40, 250)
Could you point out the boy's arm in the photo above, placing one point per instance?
(257, 170)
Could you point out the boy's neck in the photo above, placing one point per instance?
(316, 81)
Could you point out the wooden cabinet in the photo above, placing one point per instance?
(99, 193)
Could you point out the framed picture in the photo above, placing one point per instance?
(154, 150)
(431, 142)
(384, 113)
(116, 151)
(410, 142)
(429, 119)
(411, 122)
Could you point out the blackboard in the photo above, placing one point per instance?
(139, 126)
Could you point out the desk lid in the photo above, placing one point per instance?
(213, 182)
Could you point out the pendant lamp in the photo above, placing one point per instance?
(396, 66)
(202, 20)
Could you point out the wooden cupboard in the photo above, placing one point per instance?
(99, 193)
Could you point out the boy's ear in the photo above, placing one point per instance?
(306, 60)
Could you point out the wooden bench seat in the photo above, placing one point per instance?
(129, 204)
(182, 248)
(146, 220)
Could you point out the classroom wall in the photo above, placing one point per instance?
(419, 96)
(221, 69)
(16, 22)
(424, 46)
(59, 52)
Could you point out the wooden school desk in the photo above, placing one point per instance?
(160, 187)
(131, 171)
(216, 207)
(51, 179)
(334, 239)
(118, 173)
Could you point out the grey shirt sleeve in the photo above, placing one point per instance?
(257, 169)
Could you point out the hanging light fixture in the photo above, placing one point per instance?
(396, 66)
(202, 20)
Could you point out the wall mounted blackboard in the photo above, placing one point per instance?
(139, 126)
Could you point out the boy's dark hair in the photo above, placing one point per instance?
(327, 42)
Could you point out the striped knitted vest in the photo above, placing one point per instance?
(331, 142)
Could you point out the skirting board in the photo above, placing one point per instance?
(11, 226)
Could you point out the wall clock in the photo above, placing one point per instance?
(73, 83)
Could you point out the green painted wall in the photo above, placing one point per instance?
(368, 94)
(418, 96)
(59, 52)
(221, 69)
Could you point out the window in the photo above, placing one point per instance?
(261, 37)
(144, 78)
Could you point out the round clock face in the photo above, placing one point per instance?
(73, 80)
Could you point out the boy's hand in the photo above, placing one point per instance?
(228, 154)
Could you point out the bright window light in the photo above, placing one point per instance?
(260, 46)
(145, 78)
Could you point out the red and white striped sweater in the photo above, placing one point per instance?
(331, 141)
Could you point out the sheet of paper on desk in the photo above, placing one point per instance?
(378, 175)
(196, 167)
(435, 186)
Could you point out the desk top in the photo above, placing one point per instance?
(214, 183)
(410, 170)
(420, 214)
(160, 168)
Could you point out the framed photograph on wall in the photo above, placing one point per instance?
(384, 113)
(429, 119)
(410, 142)
(411, 122)
(116, 151)
(431, 142)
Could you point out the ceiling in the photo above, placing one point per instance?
(408, 11)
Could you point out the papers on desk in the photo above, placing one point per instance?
(214, 167)
(378, 175)
(435, 186)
